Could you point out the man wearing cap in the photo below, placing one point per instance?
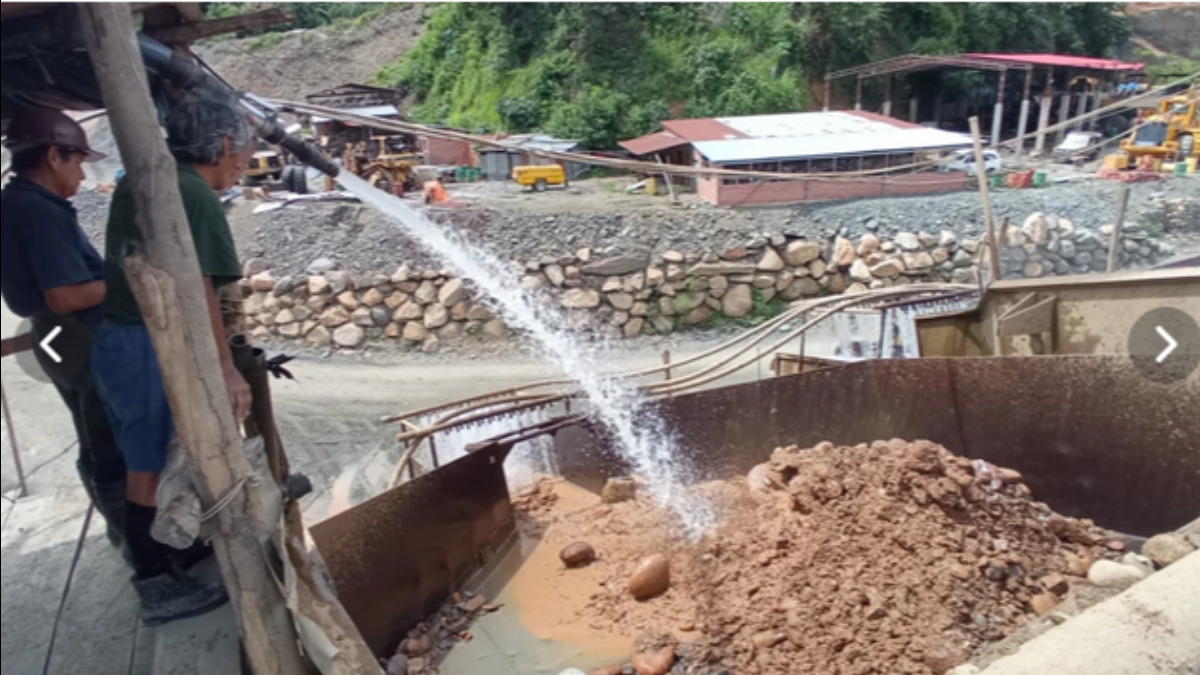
(51, 274)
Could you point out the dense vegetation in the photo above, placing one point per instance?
(601, 72)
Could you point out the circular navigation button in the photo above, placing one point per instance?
(1164, 344)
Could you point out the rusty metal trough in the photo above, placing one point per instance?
(1092, 437)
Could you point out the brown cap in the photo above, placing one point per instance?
(37, 127)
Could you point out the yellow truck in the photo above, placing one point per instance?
(539, 177)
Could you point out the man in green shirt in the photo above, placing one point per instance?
(211, 142)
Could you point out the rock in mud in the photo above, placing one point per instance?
(1069, 529)
(762, 479)
(1043, 603)
(653, 654)
(1165, 549)
(397, 665)
(418, 645)
(618, 490)
(577, 554)
(1109, 574)
(650, 578)
(942, 657)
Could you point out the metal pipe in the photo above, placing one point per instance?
(185, 73)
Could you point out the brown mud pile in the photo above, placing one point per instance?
(893, 557)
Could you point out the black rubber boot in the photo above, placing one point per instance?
(173, 595)
(109, 501)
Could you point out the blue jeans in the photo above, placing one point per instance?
(131, 387)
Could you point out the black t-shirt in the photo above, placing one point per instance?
(41, 247)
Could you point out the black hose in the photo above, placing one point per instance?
(184, 73)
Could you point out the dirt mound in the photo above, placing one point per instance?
(307, 61)
(892, 557)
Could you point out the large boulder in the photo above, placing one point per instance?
(349, 335)
(737, 301)
(451, 292)
(580, 298)
(771, 261)
(801, 252)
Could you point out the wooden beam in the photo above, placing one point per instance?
(16, 343)
(165, 277)
(1114, 245)
(986, 201)
(190, 32)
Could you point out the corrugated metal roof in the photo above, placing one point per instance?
(539, 142)
(830, 144)
(704, 129)
(652, 143)
(365, 111)
(1061, 61)
(797, 125)
(883, 119)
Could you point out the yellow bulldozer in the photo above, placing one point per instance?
(383, 165)
(1162, 135)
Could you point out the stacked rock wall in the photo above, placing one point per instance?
(641, 293)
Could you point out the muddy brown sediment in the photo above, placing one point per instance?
(894, 557)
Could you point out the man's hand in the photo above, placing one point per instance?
(239, 393)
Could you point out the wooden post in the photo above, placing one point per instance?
(666, 359)
(12, 443)
(986, 200)
(1114, 245)
(998, 108)
(165, 277)
(313, 599)
(666, 177)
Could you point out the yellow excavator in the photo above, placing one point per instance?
(1162, 135)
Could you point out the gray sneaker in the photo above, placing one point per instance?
(174, 595)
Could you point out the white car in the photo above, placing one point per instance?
(964, 160)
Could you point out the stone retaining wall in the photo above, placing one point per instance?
(632, 294)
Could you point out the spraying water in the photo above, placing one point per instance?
(640, 433)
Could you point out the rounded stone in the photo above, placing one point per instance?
(651, 577)
(577, 554)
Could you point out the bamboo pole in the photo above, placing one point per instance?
(165, 277)
(1114, 245)
(986, 200)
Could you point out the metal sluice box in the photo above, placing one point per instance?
(1092, 437)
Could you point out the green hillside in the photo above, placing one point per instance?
(601, 72)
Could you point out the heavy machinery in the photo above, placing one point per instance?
(263, 165)
(385, 162)
(539, 177)
(1166, 134)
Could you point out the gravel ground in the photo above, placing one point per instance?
(364, 241)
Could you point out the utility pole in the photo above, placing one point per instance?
(165, 277)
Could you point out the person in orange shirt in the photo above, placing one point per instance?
(435, 193)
